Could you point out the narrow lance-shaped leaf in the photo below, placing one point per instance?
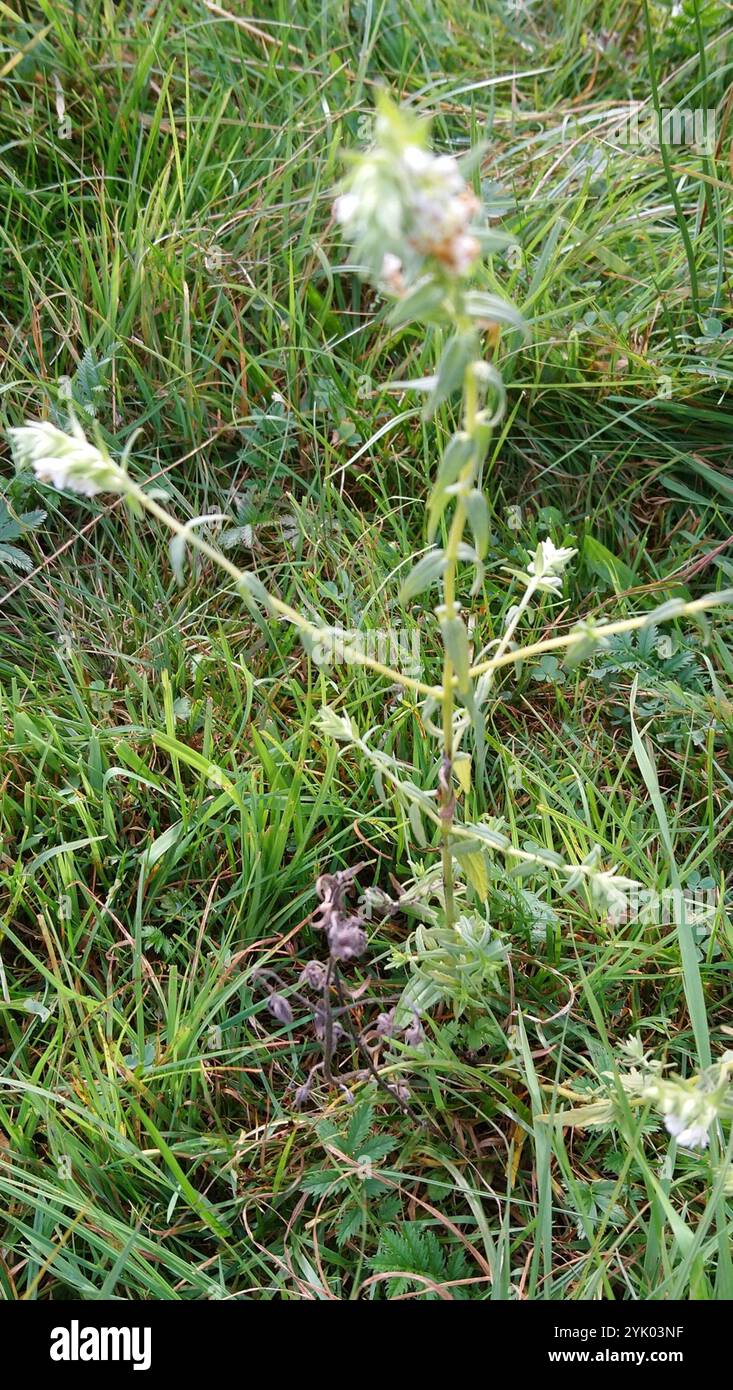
(251, 588)
(421, 304)
(428, 568)
(177, 551)
(459, 453)
(478, 519)
(478, 727)
(458, 352)
(490, 308)
(455, 639)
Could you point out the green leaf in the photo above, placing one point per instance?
(588, 641)
(11, 529)
(478, 519)
(421, 305)
(694, 994)
(324, 1180)
(473, 864)
(459, 452)
(456, 455)
(428, 568)
(491, 308)
(360, 1126)
(250, 587)
(487, 835)
(195, 1200)
(455, 638)
(458, 352)
(11, 555)
(605, 566)
(478, 726)
(177, 552)
(415, 819)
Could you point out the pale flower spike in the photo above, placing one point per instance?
(419, 233)
(67, 461)
(406, 209)
(691, 1108)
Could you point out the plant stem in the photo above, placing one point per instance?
(455, 535)
(553, 644)
(511, 627)
(316, 634)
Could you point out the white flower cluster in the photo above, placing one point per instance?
(688, 1114)
(67, 461)
(547, 567)
(690, 1108)
(403, 206)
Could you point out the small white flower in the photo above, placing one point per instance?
(416, 160)
(690, 1108)
(67, 461)
(345, 208)
(445, 168)
(550, 559)
(547, 566)
(609, 892)
(464, 252)
(391, 265)
(402, 200)
(693, 1136)
(392, 273)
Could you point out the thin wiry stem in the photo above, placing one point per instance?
(319, 635)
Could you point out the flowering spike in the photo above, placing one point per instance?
(67, 461)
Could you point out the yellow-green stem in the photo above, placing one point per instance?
(455, 535)
(316, 634)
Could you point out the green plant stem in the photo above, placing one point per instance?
(316, 634)
(441, 693)
(511, 628)
(455, 536)
(553, 644)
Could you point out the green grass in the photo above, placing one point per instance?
(175, 258)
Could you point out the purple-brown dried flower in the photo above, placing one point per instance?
(385, 1025)
(313, 974)
(320, 1018)
(346, 939)
(414, 1033)
(280, 1008)
(302, 1093)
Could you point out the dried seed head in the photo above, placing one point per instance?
(301, 1095)
(414, 1034)
(313, 974)
(319, 1026)
(280, 1008)
(346, 939)
(385, 1025)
